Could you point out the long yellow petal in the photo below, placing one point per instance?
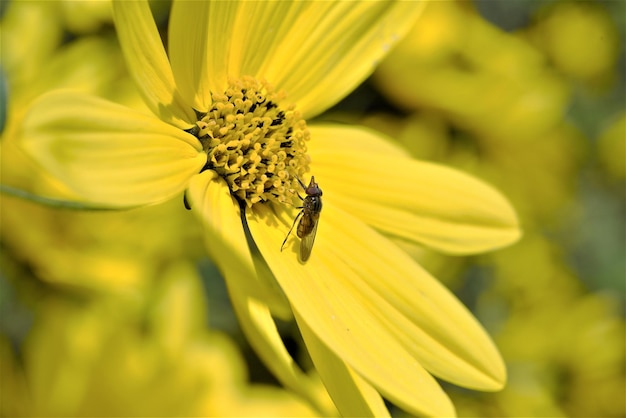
(316, 51)
(352, 395)
(260, 329)
(251, 294)
(429, 203)
(323, 293)
(226, 242)
(148, 63)
(107, 153)
(328, 53)
(198, 31)
(420, 312)
(330, 137)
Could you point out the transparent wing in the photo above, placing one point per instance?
(306, 242)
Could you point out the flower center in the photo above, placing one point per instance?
(255, 144)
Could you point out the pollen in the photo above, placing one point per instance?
(255, 142)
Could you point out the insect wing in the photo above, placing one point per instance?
(306, 242)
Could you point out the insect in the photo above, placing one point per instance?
(309, 217)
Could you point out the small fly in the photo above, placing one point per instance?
(309, 217)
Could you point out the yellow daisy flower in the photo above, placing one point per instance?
(231, 100)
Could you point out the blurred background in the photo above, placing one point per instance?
(121, 313)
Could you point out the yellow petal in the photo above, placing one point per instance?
(250, 291)
(420, 312)
(226, 242)
(260, 330)
(429, 203)
(31, 35)
(198, 32)
(148, 63)
(352, 395)
(107, 153)
(330, 48)
(329, 138)
(316, 51)
(325, 293)
(178, 311)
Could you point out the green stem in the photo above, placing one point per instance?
(55, 203)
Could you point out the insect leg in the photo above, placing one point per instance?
(291, 229)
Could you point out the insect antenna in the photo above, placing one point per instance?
(301, 184)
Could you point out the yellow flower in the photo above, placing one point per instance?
(231, 102)
(108, 356)
(581, 39)
(29, 232)
(480, 71)
(612, 146)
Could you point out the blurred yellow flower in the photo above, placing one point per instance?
(227, 132)
(480, 71)
(85, 16)
(34, 61)
(612, 148)
(150, 356)
(488, 103)
(563, 345)
(580, 38)
(30, 232)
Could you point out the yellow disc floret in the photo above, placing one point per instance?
(253, 141)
